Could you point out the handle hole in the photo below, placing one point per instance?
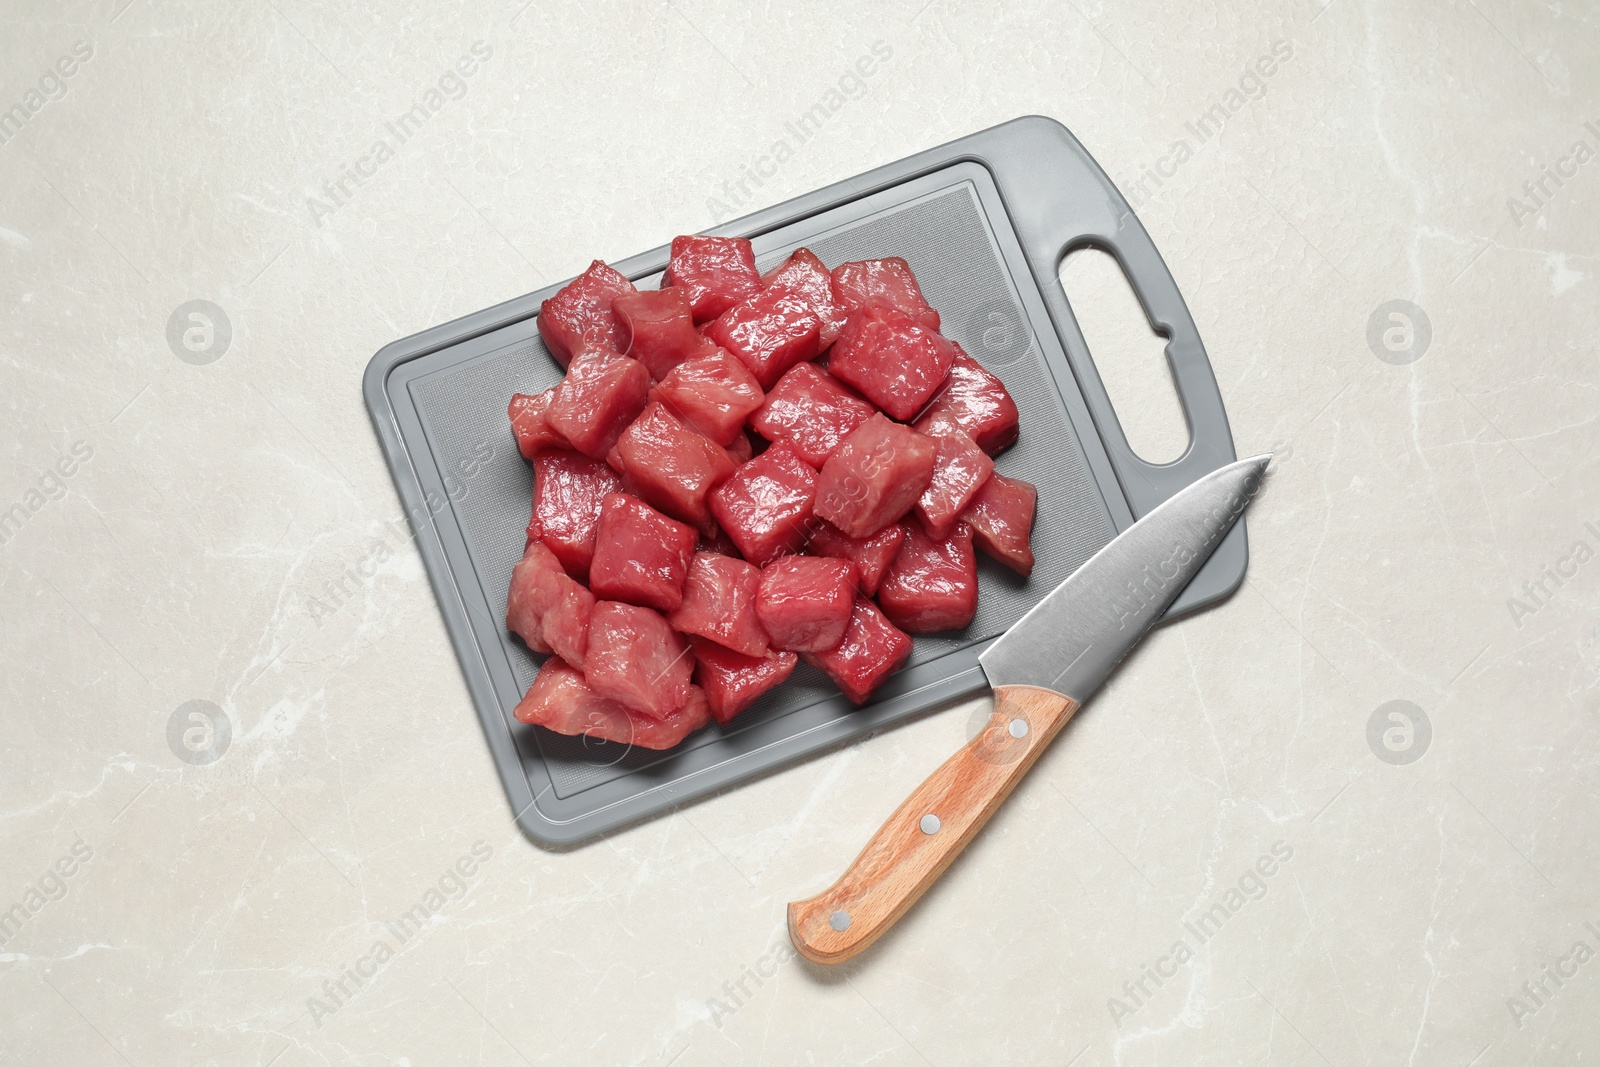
(1128, 353)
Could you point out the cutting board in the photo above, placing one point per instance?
(985, 222)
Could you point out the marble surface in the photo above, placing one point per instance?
(1416, 889)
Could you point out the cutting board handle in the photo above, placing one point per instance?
(930, 829)
(1074, 204)
(1070, 204)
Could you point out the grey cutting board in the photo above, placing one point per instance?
(985, 222)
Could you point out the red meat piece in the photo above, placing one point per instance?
(580, 315)
(568, 489)
(561, 700)
(658, 328)
(670, 465)
(811, 412)
(566, 624)
(885, 282)
(640, 555)
(547, 608)
(718, 542)
(894, 362)
(871, 555)
(1001, 517)
(635, 658)
(524, 617)
(931, 585)
(959, 471)
(530, 426)
(715, 272)
(874, 476)
(741, 449)
(733, 682)
(804, 602)
(719, 603)
(713, 392)
(975, 401)
(601, 394)
(766, 506)
(872, 650)
(770, 332)
(804, 275)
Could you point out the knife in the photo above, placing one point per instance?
(1042, 670)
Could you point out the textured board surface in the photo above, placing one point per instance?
(448, 398)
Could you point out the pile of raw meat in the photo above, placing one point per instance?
(732, 469)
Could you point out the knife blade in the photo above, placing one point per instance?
(1042, 670)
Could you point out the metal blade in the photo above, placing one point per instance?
(1073, 638)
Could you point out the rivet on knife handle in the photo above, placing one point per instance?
(930, 829)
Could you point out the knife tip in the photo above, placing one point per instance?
(1252, 470)
(1255, 466)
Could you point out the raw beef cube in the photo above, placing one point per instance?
(733, 682)
(580, 315)
(931, 585)
(670, 465)
(810, 412)
(718, 542)
(804, 602)
(872, 650)
(523, 616)
(975, 401)
(804, 275)
(660, 331)
(566, 624)
(696, 710)
(568, 489)
(874, 476)
(561, 700)
(636, 658)
(893, 361)
(770, 332)
(528, 423)
(719, 603)
(1001, 517)
(885, 282)
(959, 471)
(594, 403)
(741, 449)
(871, 555)
(766, 506)
(640, 555)
(547, 608)
(715, 272)
(713, 392)
(525, 604)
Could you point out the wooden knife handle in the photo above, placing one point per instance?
(930, 829)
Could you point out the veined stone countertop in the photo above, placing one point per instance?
(1347, 816)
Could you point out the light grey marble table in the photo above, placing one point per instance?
(1383, 218)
